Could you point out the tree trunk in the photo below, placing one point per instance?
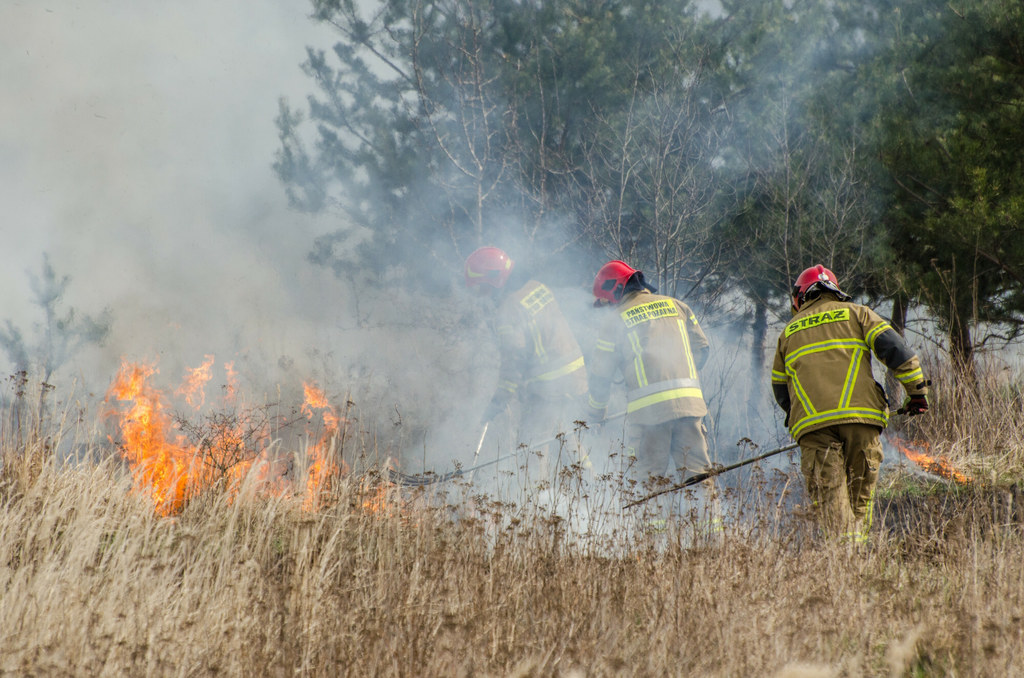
(899, 312)
(757, 362)
(961, 348)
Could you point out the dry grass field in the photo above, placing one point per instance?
(386, 581)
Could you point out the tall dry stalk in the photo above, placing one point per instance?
(386, 581)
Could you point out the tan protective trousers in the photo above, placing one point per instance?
(664, 450)
(670, 452)
(542, 422)
(840, 465)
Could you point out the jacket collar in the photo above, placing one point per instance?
(824, 296)
(631, 295)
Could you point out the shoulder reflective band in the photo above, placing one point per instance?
(816, 319)
(662, 308)
(873, 334)
(537, 299)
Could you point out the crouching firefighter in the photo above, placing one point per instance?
(835, 410)
(541, 361)
(657, 345)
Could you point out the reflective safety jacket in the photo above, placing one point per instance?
(539, 352)
(658, 345)
(822, 370)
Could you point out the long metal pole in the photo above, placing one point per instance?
(701, 477)
(429, 478)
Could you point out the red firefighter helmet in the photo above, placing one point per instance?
(488, 266)
(815, 278)
(611, 279)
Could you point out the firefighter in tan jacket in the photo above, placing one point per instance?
(834, 408)
(541, 361)
(657, 344)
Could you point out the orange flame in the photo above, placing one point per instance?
(195, 381)
(315, 399)
(379, 500)
(939, 466)
(158, 463)
(162, 463)
(231, 381)
(322, 467)
(171, 470)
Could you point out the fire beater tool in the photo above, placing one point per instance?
(701, 477)
(431, 478)
(479, 445)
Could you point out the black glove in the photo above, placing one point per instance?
(914, 405)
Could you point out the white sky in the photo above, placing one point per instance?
(136, 138)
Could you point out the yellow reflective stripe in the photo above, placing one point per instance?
(859, 347)
(560, 372)
(686, 349)
(656, 398)
(714, 525)
(507, 385)
(836, 415)
(851, 378)
(603, 345)
(638, 359)
(801, 394)
(825, 346)
(538, 342)
(868, 517)
(659, 386)
(597, 405)
(778, 377)
(911, 376)
(855, 537)
(504, 329)
(873, 334)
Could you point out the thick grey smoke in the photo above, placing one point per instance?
(136, 139)
(136, 143)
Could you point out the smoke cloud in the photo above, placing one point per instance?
(136, 140)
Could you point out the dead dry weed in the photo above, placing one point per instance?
(93, 582)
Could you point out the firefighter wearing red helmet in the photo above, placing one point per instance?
(658, 346)
(541, 361)
(835, 410)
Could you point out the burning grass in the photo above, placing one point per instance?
(383, 580)
(176, 457)
(975, 428)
